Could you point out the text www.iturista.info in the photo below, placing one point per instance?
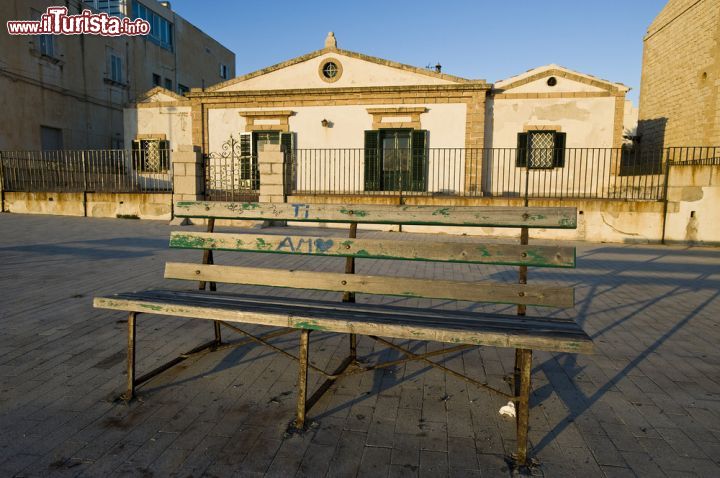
(56, 21)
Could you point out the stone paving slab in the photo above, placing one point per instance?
(646, 404)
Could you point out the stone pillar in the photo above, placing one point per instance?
(271, 164)
(188, 178)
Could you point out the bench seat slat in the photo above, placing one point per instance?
(438, 316)
(386, 285)
(560, 335)
(466, 252)
(484, 216)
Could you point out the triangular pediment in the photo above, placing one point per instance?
(353, 70)
(565, 81)
(160, 94)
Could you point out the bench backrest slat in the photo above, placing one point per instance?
(474, 216)
(468, 252)
(383, 285)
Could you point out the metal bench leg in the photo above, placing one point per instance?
(302, 379)
(350, 296)
(523, 410)
(353, 347)
(130, 393)
(516, 374)
(218, 334)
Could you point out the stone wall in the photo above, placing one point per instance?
(693, 200)
(690, 215)
(115, 205)
(680, 83)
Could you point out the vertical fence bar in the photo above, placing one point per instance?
(668, 164)
(2, 182)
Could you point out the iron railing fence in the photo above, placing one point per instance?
(693, 156)
(117, 171)
(599, 173)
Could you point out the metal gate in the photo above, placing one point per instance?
(231, 174)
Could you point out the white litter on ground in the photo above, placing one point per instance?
(508, 410)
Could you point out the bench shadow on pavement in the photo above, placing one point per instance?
(596, 286)
(578, 403)
(114, 248)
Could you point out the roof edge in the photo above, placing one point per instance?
(351, 54)
(159, 89)
(341, 90)
(557, 70)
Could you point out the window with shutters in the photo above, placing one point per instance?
(250, 144)
(541, 149)
(151, 155)
(396, 160)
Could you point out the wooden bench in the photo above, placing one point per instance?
(379, 322)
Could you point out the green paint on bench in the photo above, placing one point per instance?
(476, 216)
(309, 325)
(354, 212)
(261, 245)
(462, 252)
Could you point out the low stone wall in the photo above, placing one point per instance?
(131, 205)
(693, 205)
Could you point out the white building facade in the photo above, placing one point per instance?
(352, 124)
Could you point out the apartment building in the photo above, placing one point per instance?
(68, 91)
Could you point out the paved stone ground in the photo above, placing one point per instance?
(647, 404)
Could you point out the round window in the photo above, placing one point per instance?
(330, 70)
(552, 81)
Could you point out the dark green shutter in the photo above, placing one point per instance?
(287, 145)
(559, 157)
(248, 161)
(419, 160)
(245, 144)
(372, 160)
(521, 153)
(164, 152)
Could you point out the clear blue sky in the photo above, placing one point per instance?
(472, 39)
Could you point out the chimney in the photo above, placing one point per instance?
(330, 41)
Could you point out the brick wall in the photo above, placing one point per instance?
(680, 84)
